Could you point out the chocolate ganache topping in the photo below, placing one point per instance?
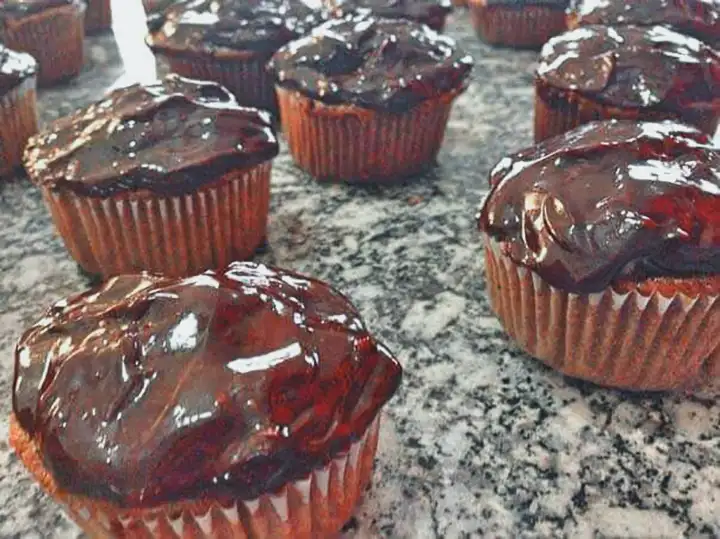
(169, 137)
(227, 26)
(224, 385)
(382, 64)
(609, 201)
(635, 67)
(22, 8)
(15, 67)
(697, 18)
(416, 10)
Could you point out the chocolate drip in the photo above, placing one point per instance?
(225, 385)
(609, 201)
(382, 64)
(168, 137)
(697, 18)
(635, 67)
(218, 26)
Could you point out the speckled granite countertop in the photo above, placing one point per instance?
(480, 441)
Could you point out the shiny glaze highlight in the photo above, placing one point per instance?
(382, 64)
(168, 137)
(697, 18)
(225, 385)
(15, 67)
(424, 11)
(614, 200)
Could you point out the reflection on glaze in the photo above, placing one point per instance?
(15, 67)
(430, 12)
(374, 63)
(151, 389)
(697, 18)
(214, 26)
(633, 66)
(169, 137)
(609, 201)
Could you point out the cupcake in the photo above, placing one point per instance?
(52, 31)
(98, 16)
(234, 404)
(603, 253)
(171, 177)
(363, 98)
(697, 18)
(626, 72)
(230, 41)
(518, 23)
(430, 12)
(18, 117)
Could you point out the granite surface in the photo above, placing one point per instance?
(481, 441)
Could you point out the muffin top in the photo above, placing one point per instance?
(634, 67)
(15, 67)
(21, 8)
(418, 10)
(607, 202)
(227, 26)
(225, 385)
(169, 137)
(384, 64)
(697, 18)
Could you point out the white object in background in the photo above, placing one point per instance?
(130, 28)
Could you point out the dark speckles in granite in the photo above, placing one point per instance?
(480, 441)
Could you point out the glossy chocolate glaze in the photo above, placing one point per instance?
(169, 137)
(224, 385)
(382, 64)
(608, 201)
(425, 11)
(635, 67)
(22, 8)
(15, 67)
(697, 18)
(222, 26)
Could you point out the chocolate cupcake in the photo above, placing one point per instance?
(518, 23)
(98, 16)
(231, 41)
(603, 253)
(18, 116)
(430, 12)
(171, 177)
(242, 403)
(364, 98)
(52, 31)
(697, 18)
(627, 72)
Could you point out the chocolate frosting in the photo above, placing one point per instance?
(22, 8)
(698, 18)
(15, 67)
(383, 64)
(635, 67)
(416, 10)
(609, 201)
(221, 26)
(226, 385)
(169, 137)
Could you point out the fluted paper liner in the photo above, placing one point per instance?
(567, 110)
(350, 143)
(98, 16)
(313, 508)
(244, 75)
(621, 339)
(173, 235)
(54, 37)
(18, 122)
(526, 27)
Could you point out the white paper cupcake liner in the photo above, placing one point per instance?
(627, 340)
